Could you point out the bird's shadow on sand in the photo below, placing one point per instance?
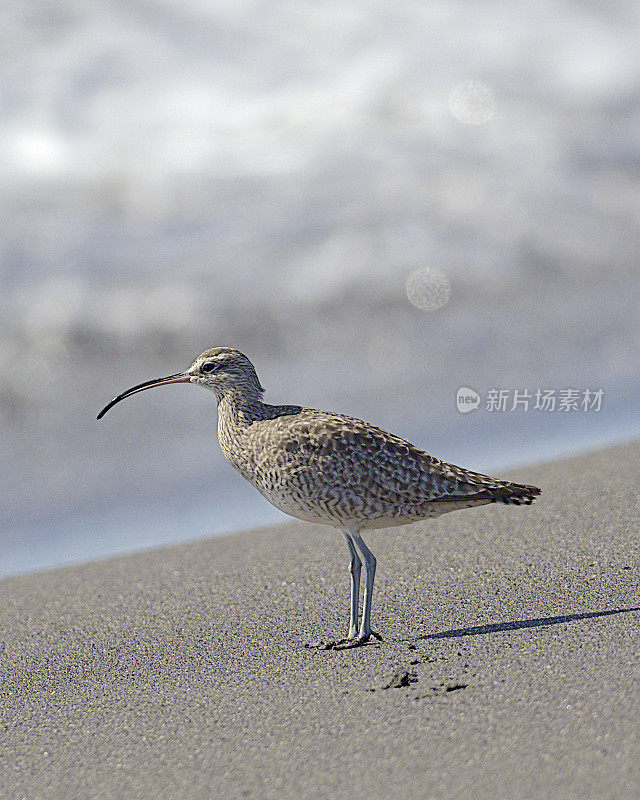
(517, 624)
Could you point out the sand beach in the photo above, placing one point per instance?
(509, 666)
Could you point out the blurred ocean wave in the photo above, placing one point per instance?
(270, 175)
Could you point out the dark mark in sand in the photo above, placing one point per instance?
(451, 687)
(399, 680)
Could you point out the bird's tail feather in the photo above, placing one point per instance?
(515, 494)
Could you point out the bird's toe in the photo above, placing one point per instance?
(359, 641)
(330, 645)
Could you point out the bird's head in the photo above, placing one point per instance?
(221, 369)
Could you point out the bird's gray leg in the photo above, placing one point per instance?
(355, 566)
(370, 566)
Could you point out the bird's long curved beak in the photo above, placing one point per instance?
(181, 377)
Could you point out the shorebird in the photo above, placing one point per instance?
(330, 468)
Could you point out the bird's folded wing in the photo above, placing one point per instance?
(379, 464)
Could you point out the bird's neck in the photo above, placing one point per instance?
(237, 411)
(239, 408)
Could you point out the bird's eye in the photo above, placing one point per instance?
(209, 367)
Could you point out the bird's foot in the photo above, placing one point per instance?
(357, 641)
(344, 644)
(330, 645)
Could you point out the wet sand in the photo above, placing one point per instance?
(509, 666)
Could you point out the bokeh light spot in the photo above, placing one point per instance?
(428, 289)
(472, 103)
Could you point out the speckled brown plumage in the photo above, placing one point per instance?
(337, 470)
(330, 468)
